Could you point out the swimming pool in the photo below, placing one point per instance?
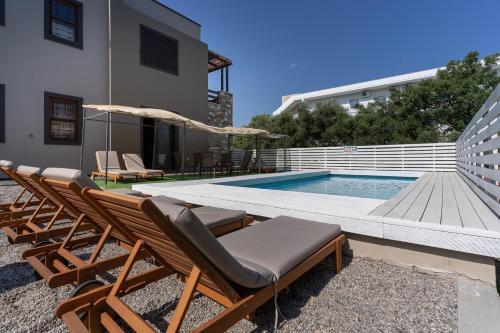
(361, 186)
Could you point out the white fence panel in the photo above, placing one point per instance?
(478, 152)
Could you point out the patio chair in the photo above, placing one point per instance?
(241, 271)
(189, 164)
(50, 219)
(205, 162)
(134, 162)
(59, 266)
(114, 169)
(244, 162)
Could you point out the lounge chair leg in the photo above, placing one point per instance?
(338, 257)
(185, 300)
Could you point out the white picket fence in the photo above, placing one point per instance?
(411, 157)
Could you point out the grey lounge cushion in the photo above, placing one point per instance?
(29, 170)
(72, 175)
(242, 272)
(7, 164)
(279, 244)
(214, 217)
(161, 200)
(126, 191)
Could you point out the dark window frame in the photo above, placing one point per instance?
(2, 113)
(79, 25)
(79, 120)
(2, 13)
(141, 53)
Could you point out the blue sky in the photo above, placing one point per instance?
(280, 47)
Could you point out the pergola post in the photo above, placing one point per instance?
(183, 151)
(83, 138)
(107, 148)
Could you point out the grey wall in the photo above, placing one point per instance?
(138, 85)
(30, 65)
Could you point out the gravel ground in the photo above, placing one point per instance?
(367, 296)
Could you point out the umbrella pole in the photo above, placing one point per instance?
(230, 161)
(154, 147)
(83, 139)
(183, 150)
(107, 149)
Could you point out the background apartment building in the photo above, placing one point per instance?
(349, 96)
(54, 59)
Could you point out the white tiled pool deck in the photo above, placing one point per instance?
(352, 213)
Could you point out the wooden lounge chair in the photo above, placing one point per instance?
(20, 206)
(240, 271)
(48, 220)
(134, 162)
(115, 171)
(59, 266)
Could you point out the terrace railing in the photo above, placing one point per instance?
(478, 152)
(410, 157)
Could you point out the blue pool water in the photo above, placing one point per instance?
(375, 187)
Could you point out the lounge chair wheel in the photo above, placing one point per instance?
(82, 289)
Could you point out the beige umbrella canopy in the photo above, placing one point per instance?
(172, 118)
(178, 120)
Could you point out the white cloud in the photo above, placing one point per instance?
(293, 66)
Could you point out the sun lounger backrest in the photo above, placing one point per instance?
(180, 239)
(32, 176)
(70, 186)
(113, 162)
(133, 162)
(8, 168)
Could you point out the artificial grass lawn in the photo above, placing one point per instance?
(173, 178)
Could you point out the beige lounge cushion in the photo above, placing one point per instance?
(7, 164)
(80, 178)
(29, 170)
(214, 217)
(113, 162)
(71, 175)
(279, 244)
(161, 200)
(242, 272)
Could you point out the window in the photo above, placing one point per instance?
(63, 118)
(159, 51)
(2, 12)
(64, 22)
(354, 103)
(380, 99)
(2, 113)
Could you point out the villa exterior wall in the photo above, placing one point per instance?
(138, 85)
(31, 65)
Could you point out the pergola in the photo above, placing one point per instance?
(171, 118)
(219, 62)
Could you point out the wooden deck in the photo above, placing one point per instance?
(440, 198)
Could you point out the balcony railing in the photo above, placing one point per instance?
(213, 96)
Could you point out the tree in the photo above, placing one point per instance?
(432, 110)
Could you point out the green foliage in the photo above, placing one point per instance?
(432, 110)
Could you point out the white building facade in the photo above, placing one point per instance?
(349, 96)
